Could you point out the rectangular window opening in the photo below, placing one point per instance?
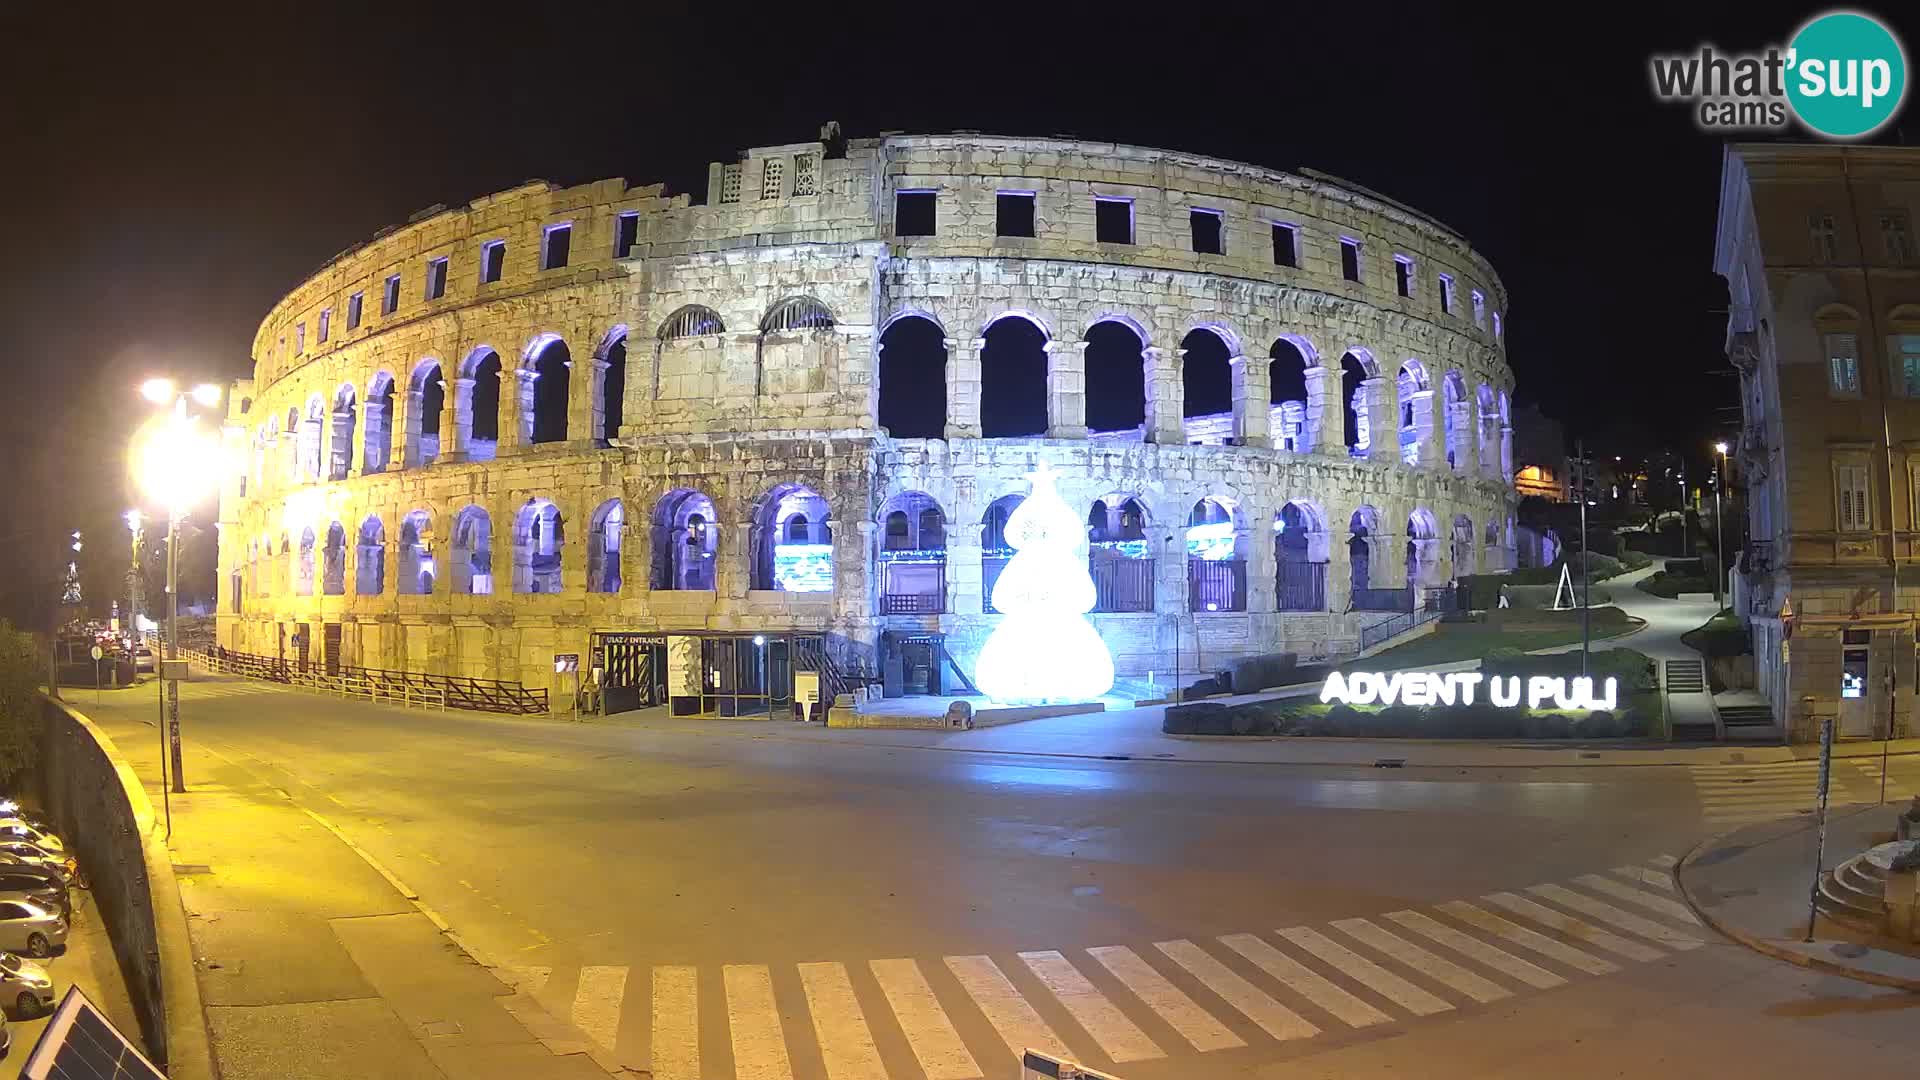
(436, 278)
(354, 304)
(1013, 213)
(1206, 226)
(1113, 221)
(493, 261)
(1446, 295)
(626, 233)
(299, 339)
(390, 302)
(1479, 308)
(1350, 259)
(915, 213)
(326, 325)
(556, 246)
(1286, 245)
(1843, 364)
(1910, 364)
(1403, 275)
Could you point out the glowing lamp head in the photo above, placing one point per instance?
(1720, 448)
(175, 461)
(158, 391)
(207, 395)
(133, 520)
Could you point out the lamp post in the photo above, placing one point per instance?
(136, 581)
(174, 460)
(1719, 539)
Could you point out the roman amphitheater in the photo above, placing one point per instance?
(707, 445)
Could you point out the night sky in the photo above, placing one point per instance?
(169, 173)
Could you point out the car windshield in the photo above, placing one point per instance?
(9, 962)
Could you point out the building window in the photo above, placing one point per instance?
(1112, 220)
(1479, 308)
(555, 245)
(1826, 240)
(1349, 258)
(1286, 245)
(1206, 226)
(626, 233)
(730, 183)
(354, 304)
(1403, 275)
(1013, 213)
(1909, 346)
(1446, 294)
(772, 172)
(299, 339)
(1850, 489)
(326, 325)
(493, 260)
(1843, 365)
(1895, 230)
(436, 278)
(1496, 326)
(390, 301)
(805, 177)
(915, 213)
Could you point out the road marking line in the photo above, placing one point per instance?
(1667, 861)
(1364, 971)
(1672, 909)
(1613, 916)
(1274, 1018)
(676, 1023)
(1467, 945)
(1194, 1023)
(1584, 932)
(596, 1003)
(525, 979)
(1305, 981)
(1119, 1038)
(1656, 878)
(846, 1043)
(1541, 943)
(1437, 968)
(753, 1022)
(942, 1055)
(1020, 1027)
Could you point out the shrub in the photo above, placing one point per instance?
(1251, 673)
(22, 666)
(1668, 584)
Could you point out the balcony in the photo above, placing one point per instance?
(913, 583)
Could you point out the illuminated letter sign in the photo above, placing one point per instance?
(1426, 688)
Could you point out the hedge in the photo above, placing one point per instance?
(1306, 717)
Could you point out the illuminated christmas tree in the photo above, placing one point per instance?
(1045, 650)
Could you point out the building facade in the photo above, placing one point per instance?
(806, 406)
(1817, 247)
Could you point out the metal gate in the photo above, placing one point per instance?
(636, 670)
(331, 646)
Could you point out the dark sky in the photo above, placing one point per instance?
(167, 174)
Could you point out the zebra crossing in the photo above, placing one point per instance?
(966, 1016)
(1734, 795)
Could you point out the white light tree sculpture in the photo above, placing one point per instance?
(1045, 650)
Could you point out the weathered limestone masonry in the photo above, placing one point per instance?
(732, 351)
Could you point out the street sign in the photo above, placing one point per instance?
(565, 662)
(175, 670)
(806, 692)
(99, 654)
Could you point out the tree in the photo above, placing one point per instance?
(21, 668)
(1045, 650)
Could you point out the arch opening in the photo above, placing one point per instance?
(549, 372)
(416, 555)
(1462, 552)
(340, 433)
(995, 552)
(1454, 389)
(607, 527)
(1290, 420)
(303, 565)
(426, 397)
(471, 560)
(478, 417)
(1216, 541)
(370, 558)
(538, 546)
(913, 555)
(1206, 377)
(377, 440)
(1116, 380)
(686, 536)
(610, 393)
(1013, 380)
(913, 379)
(1358, 432)
(1423, 550)
(1407, 385)
(793, 541)
(333, 562)
(1301, 551)
(1120, 555)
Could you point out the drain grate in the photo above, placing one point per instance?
(1390, 763)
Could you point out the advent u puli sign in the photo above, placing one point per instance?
(1461, 688)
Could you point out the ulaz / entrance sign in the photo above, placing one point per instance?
(1424, 688)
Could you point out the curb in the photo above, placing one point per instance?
(1766, 947)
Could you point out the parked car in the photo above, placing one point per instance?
(41, 888)
(26, 984)
(12, 809)
(142, 658)
(30, 928)
(16, 829)
(28, 855)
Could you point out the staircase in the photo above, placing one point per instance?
(1686, 676)
(1748, 722)
(1854, 893)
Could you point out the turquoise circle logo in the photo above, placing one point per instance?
(1848, 74)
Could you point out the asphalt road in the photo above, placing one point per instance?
(724, 887)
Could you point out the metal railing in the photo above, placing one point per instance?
(1395, 625)
(1216, 585)
(1122, 584)
(379, 684)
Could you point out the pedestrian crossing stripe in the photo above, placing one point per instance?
(1355, 973)
(1734, 795)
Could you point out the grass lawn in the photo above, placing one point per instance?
(1721, 635)
(1502, 629)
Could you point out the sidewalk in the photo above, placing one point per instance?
(87, 963)
(1753, 885)
(313, 962)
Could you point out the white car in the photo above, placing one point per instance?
(16, 829)
(26, 985)
(28, 927)
(23, 852)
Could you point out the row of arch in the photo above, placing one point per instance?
(792, 540)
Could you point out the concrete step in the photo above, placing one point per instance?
(1686, 676)
(1858, 877)
(1746, 716)
(1841, 899)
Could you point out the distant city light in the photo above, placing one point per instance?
(158, 391)
(207, 394)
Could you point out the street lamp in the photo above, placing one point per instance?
(1719, 540)
(175, 463)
